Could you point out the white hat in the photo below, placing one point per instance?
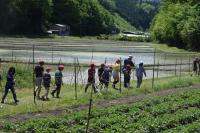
(141, 62)
(130, 56)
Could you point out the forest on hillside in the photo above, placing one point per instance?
(85, 17)
(178, 24)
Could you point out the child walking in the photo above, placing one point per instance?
(46, 83)
(139, 74)
(91, 78)
(58, 81)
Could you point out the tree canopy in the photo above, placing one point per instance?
(177, 24)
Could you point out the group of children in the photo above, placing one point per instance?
(42, 78)
(45, 79)
(105, 72)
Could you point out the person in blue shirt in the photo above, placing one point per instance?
(139, 74)
(10, 84)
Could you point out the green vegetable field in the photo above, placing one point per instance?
(175, 113)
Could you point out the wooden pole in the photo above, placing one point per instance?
(90, 106)
(189, 65)
(52, 54)
(75, 79)
(12, 54)
(157, 69)
(34, 92)
(175, 67)
(154, 61)
(120, 77)
(180, 68)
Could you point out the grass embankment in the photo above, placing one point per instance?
(175, 113)
(25, 92)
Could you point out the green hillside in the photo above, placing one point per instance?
(85, 17)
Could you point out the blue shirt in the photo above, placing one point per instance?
(140, 71)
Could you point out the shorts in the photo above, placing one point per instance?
(115, 75)
(38, 81)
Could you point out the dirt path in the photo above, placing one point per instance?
(123, 100)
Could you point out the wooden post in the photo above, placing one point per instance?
(75, 79)
(189, 64)
(12, 54)
(34, 93)
(52, 54)
(154, 61)
(158, 69)
(120, 77)
(180, 68)
(175, 67)
(90, 107)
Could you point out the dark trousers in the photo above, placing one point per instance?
(56, 90)
(127, 81)
(139, 81)
(12, 91)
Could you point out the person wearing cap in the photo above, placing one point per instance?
(139, 74)
(127, 77)
(10, 85)
(39, 70)
(100, 72)
(91, 78)
(129, 61)
(46, 83)
(115, 73)
(195, 66)
(58, 81)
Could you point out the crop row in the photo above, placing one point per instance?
(160, 114)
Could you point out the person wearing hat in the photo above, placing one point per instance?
(115, 73)
(129, 61)
(91, 78)
(10, 85)
(127, 77)
(139, 74)
(46, 83)
(39, 69)
(58, 81)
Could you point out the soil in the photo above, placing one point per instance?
(123, 100)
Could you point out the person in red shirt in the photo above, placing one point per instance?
(91, 78)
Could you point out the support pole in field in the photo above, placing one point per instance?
(90, 106)
(75, 79)
(158, 69)
(189, 64)
(120, 75)
(12, 53)
(154, 62)
(79, 70)
(180, 68)
(34, 92)
(52, 54)
(175, 67)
